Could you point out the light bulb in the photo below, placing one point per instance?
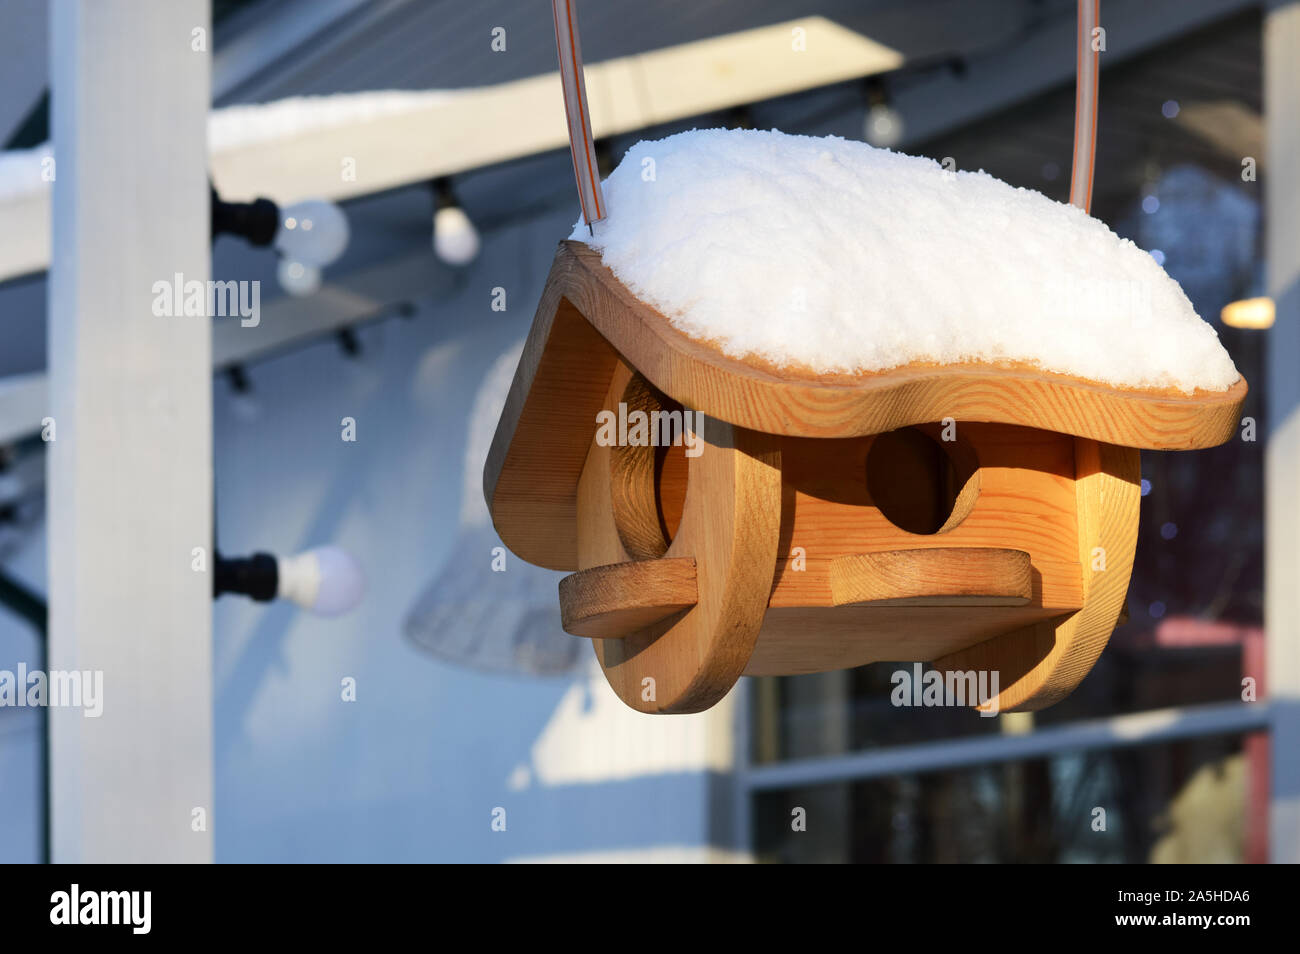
(455, 240)
(1249, 313)
(297, 278)
(325, 580)
(884, 126)
(314, 232)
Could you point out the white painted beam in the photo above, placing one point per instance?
(1282, 460)
(25, 233)
(130, 469)
(469, 128)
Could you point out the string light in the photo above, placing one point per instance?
(1255, 313)
(314, 232)
(326, 580)
(309, 235)
(455, 239)
(883, 127)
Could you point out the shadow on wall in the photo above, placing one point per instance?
(416, 766)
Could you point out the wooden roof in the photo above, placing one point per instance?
(588, 319)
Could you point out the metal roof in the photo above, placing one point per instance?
(433, 44)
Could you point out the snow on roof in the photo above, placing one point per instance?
(831, 256)
(235, 127)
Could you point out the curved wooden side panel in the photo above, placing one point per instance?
(730, 526)
(1041, 664)
(531, 476)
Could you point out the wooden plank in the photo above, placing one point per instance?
(609, 602)
(130, 472)
(948, 576)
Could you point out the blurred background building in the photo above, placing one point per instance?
(469, 698)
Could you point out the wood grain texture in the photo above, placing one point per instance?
(797, 639)
(1041, 664)
(1020, 494)
(647, 483)
(946, 576)
(587, 319)
(535, 461)
(609, 602)
(804, 404)
(729, 526)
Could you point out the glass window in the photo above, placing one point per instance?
(1191, 800)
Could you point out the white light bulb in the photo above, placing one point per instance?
(314, 232)
(325, 580)
(455, 240)
(883, 127)
(297, 278)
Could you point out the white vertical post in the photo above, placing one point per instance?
(130, 467)
(1282, 473)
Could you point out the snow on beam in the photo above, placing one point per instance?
(357, 144)
(25, 236)
(466, 129)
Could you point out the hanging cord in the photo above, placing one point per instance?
(1087, 69)
(581, 144)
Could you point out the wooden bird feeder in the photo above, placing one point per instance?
(971, 516)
